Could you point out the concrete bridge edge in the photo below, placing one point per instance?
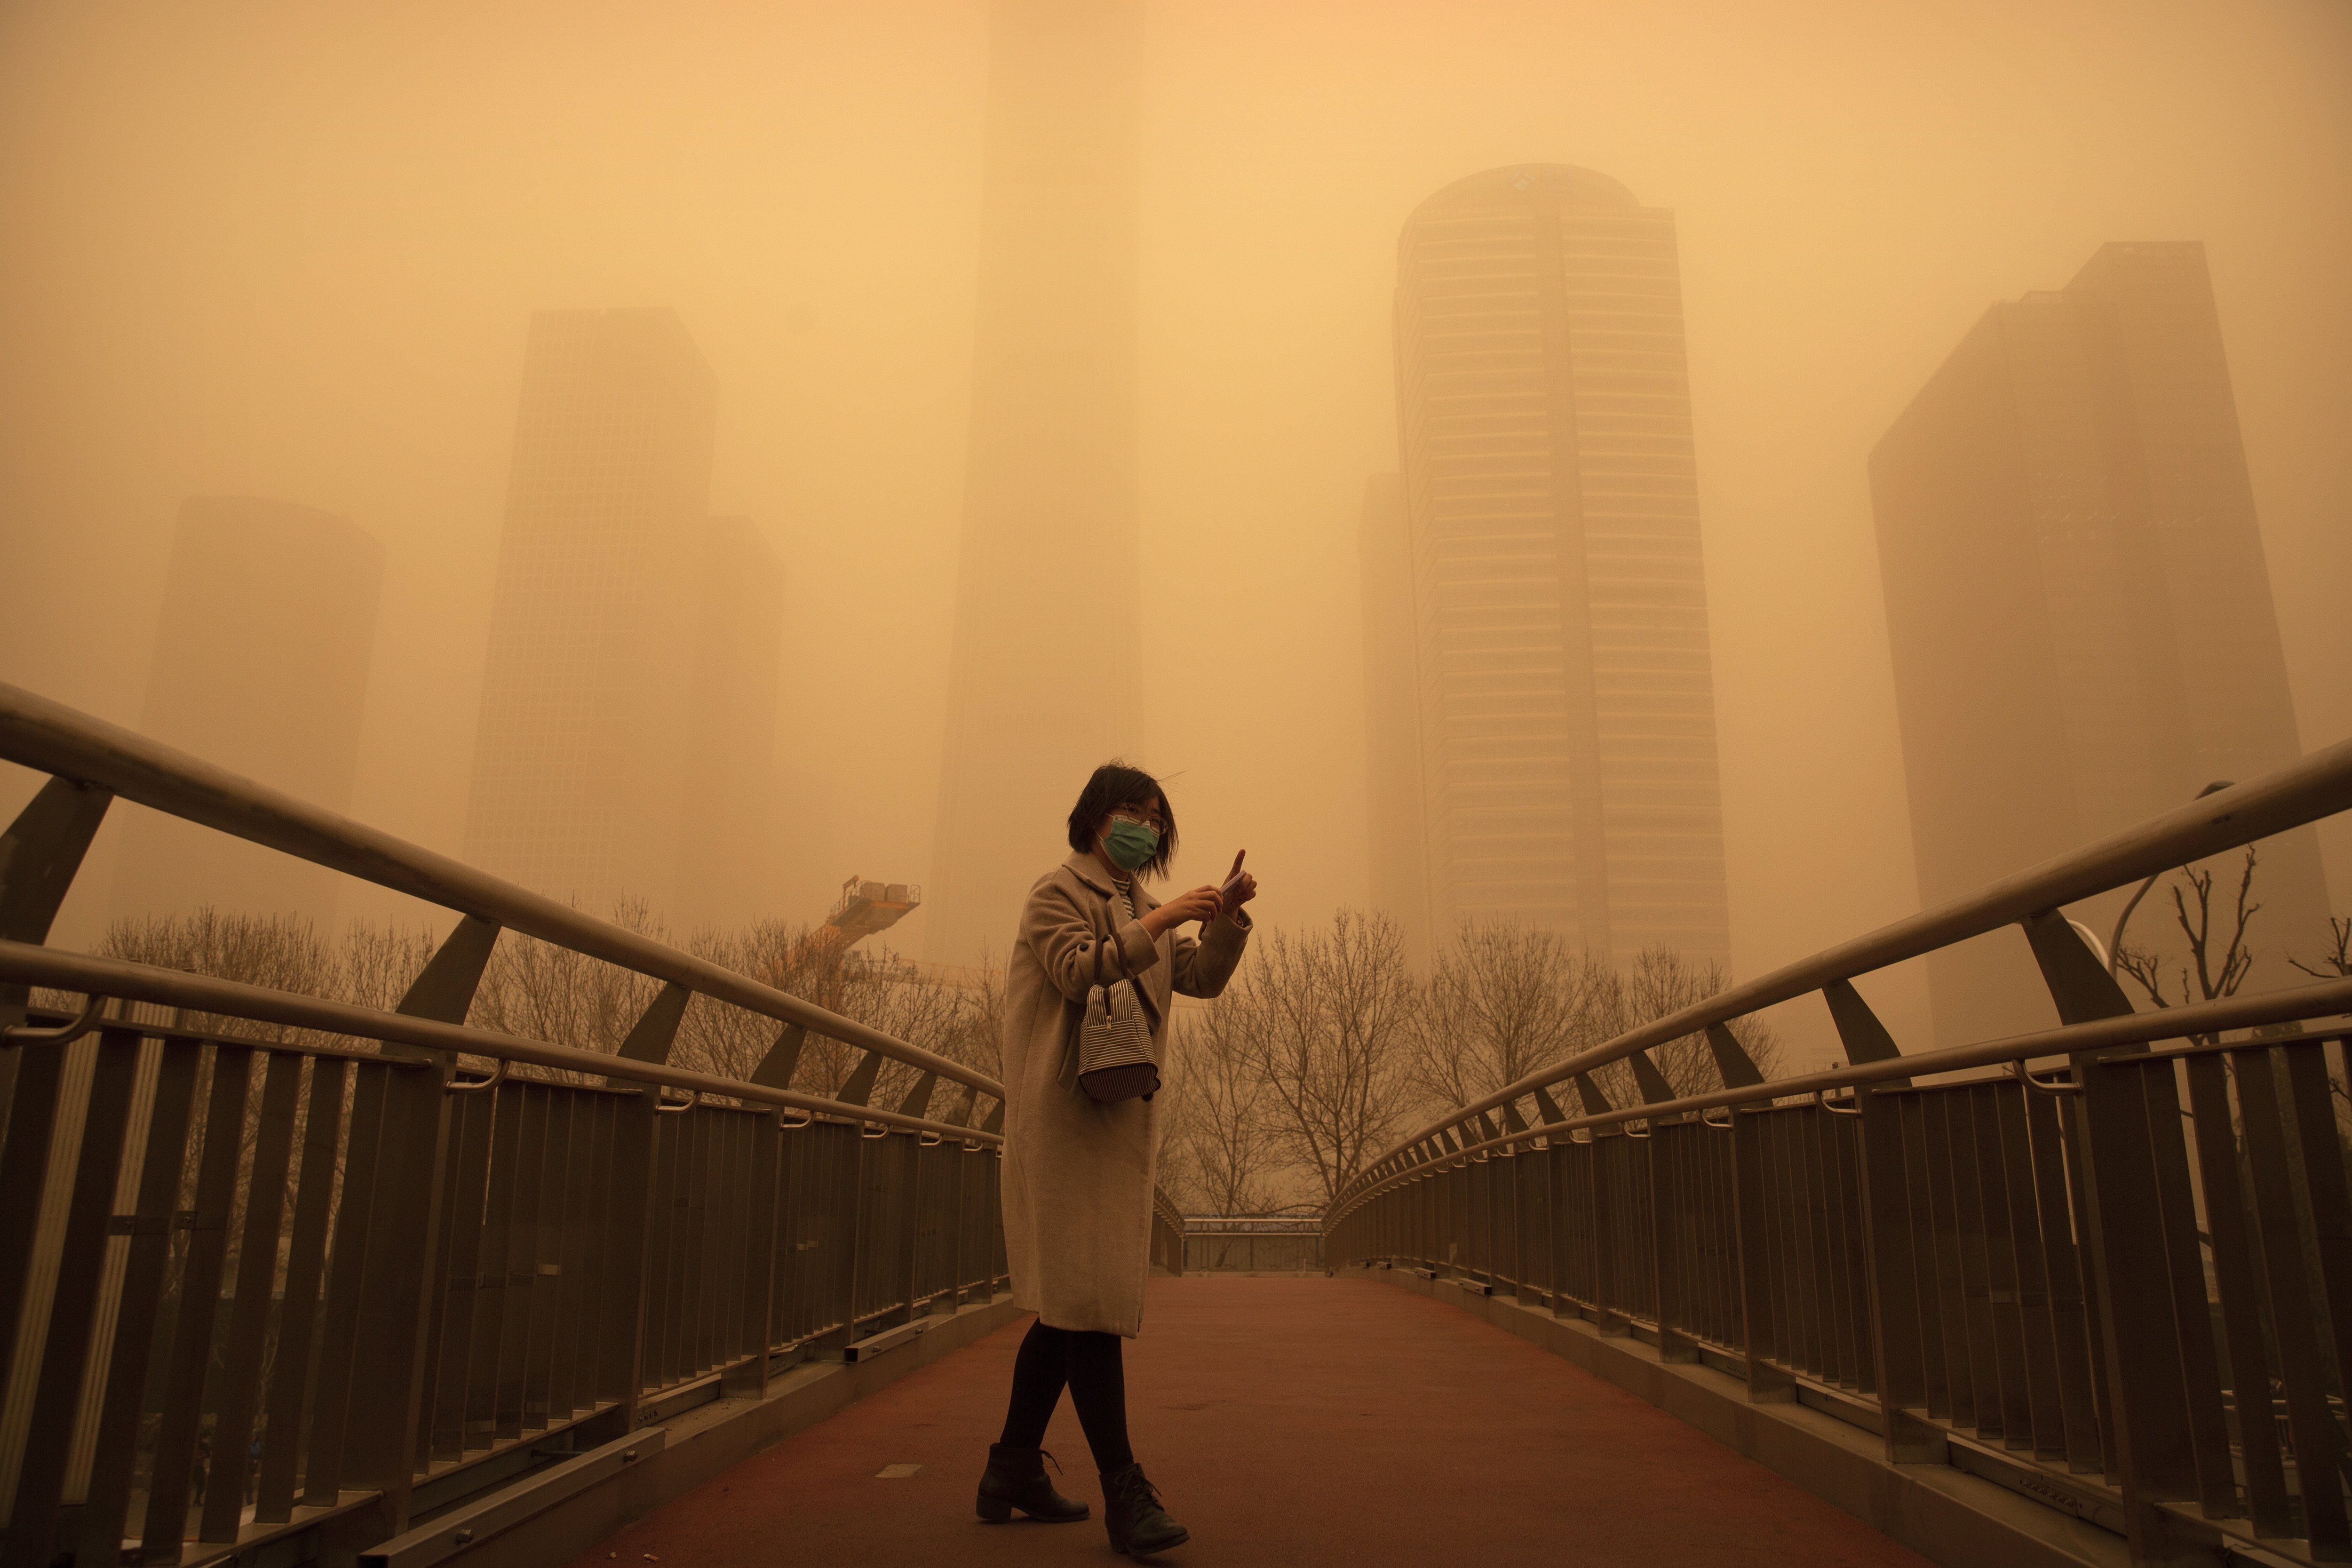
(710, 1438)
(1945, 1514)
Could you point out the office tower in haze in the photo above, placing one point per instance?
(1042, 683)
(733, 823)
(580, 761)
(2079, 612)
(1563, 701)
(261, 666)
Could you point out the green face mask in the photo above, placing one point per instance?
(1131, 844)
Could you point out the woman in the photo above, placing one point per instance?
(1078, 1173)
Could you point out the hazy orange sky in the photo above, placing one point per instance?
(291, 250)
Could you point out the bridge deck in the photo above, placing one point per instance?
(1293, 1421)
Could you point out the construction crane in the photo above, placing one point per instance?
(811, 967)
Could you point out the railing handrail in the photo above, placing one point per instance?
(38, 732)
(2319, 785)
(26, 963)
(2320, 1000)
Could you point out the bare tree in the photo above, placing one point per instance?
(1222, 1146)
(2336, 958)
(1504, 999)
(543, 992)
(1662, 981)
(2222, 965)
(281, 952)
(1322, 1017)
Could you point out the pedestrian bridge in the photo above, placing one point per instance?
(280, 1282)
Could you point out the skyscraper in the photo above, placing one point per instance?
(580, 762)
(2078, 610)
(1042, 675)
(732, 825)
(261, 665)
(1562, 692)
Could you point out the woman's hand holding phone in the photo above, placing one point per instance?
(1238, 887)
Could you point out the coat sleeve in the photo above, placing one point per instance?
(1202, 967)
(1062, 934)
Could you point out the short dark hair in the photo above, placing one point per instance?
(1115, 784)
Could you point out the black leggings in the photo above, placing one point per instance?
(1089, 1362)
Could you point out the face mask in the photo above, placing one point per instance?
(1131, 844)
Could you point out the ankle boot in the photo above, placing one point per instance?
(1131, 1511)
(1015, 1478)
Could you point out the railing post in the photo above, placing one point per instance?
(2145, 1375)
(1768, 1383)
(1888, 1230)
(1608, 1292)
(403, 1225)
(747, 1378)
(1665, 1245)
(621, 1316)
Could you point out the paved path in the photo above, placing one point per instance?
(1294, 1421)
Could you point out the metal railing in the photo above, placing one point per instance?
(2132, 1278)
(1166, 1234)
(254, 1286)
(1253, 1244)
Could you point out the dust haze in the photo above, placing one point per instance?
(292, 253)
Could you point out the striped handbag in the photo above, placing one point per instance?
(1114, 1059)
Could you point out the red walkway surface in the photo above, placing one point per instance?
(1285, 1421)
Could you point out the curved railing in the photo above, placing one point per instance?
(2123, 1281)
(324, 1278)
(54, 739)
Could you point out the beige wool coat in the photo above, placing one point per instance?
(1077, 1174)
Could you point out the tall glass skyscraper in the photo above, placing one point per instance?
(1042, 683)
(2079, 612)
(1562, 710)
(581, 758)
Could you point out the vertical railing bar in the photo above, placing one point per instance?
(2036, 1321)
(489, 1261)
(167, 1524)
(520, 1264)
(322, 1473)
(2003, 1314)
(249, 1325)
(1969, 1210)
(73, 1299)
(549, 1255)
(1927, 1266)
(2293, 1306)
(2236, 1274)
(107, 1501)
(306, 1259)
(2070, 1317)
(1968, 1396)
(2192, 1309)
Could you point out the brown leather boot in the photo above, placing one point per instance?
(1131, 1511)
(1015, 1478)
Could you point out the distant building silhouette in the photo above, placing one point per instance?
(732, 828)
(261, 666)
(581, 761)
(2079, 612)
(1561, 708)
(1041, 681)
